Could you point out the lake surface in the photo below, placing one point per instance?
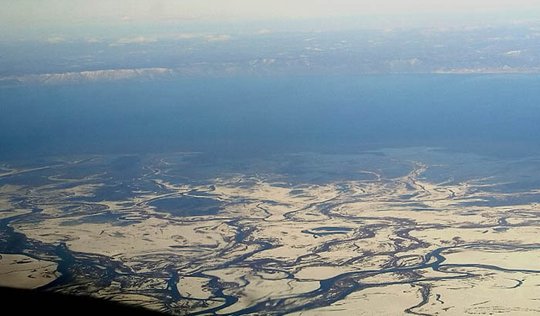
(251, 116)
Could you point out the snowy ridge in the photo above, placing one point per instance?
(89, 76)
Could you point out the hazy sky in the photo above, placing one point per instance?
(20, 17)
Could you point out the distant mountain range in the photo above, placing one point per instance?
(163, 73)
(483, 50)
(88, 76)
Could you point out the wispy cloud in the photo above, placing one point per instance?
(264, 31)
(134, 40)
(514, 53)
(186, 36)
(217, 37)
(55, 40)
(201, 36)
(93, 40)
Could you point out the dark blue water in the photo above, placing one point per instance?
(245, 116)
